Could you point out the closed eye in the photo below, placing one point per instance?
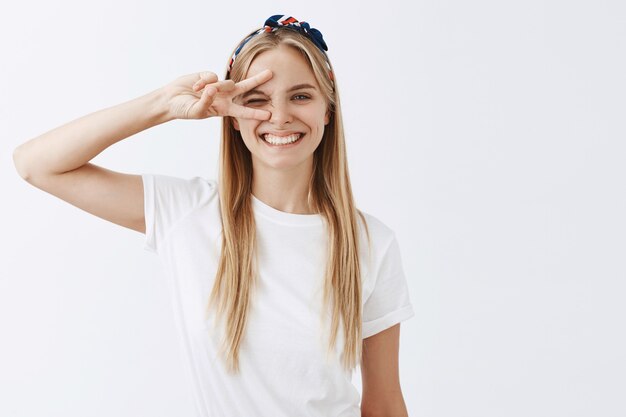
(257, 100)
(298, 97)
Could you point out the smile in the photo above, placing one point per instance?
(282, 141)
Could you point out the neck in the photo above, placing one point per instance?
(283, 189)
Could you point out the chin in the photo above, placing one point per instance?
(282, 163)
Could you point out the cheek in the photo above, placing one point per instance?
(314, 119)
(247, 125)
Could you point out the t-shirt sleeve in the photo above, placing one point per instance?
(389, 302)
(167, 200)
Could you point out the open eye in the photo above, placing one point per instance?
(302, 97)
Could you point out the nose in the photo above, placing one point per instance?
(280, 113)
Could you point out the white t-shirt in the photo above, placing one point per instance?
(284, 371)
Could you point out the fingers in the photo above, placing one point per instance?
(208, 94)
(221, 86)
(249, 83)
(206, 77)
(207, 97)
(243, 112)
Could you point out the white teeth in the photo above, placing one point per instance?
(281, 140)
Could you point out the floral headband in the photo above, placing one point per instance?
(278, 21)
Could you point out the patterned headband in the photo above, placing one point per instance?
(279, 21)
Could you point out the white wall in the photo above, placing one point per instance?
(489, 135)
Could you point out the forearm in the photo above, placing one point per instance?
(73, 144)
(383, 404)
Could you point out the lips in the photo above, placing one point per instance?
(282, 141)
(281, 134)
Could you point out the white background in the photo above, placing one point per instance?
(489, 135)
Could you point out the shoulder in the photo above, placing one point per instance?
(178, 183)
(380, 234)
(377, 248)
(169, 199)
(170, 189)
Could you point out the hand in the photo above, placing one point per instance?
(201, 95)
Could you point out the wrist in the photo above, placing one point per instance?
(158, 106)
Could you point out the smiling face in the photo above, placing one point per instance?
(298, 108)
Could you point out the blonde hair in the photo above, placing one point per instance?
(330, 195)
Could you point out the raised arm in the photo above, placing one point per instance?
(58, 161)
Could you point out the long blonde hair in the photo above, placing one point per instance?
(330, 195)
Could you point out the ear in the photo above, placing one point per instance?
(327, 117)
(235, 123)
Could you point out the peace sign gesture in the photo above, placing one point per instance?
(201, 95)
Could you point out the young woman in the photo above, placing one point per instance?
(280, 285)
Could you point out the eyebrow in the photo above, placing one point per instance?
(295, 87)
